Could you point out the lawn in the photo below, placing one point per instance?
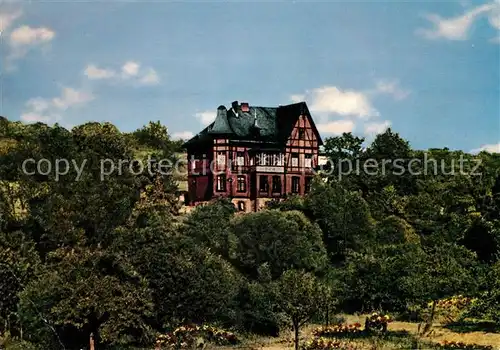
(400, 335)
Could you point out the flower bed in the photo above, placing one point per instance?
(320, 343)
(463, 346)
(458, 301)
(188, 335)
(452, 308)
(336, 330)
(377, 322)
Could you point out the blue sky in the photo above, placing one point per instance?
(429, 70)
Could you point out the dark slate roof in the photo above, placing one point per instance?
(264, 124)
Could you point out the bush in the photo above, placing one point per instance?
(377, 322)
(194, 335)
(448, 345)
(336, 330)
(327, 344)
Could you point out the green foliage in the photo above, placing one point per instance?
(394, 230)
(209, 225)
(300, 295)
(300, 298)
(283, 240)
(91, 290)
(87, 252)
(439, 271)
(343, 217)
(19, 262)
(487, 305)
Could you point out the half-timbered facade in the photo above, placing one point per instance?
(253, 154)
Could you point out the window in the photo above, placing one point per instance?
(263, 185)
(241, 206)
(308, 184)
(302, 134)
(221, 158)
(277, 159)
(260, 159)
(295, 184)
(240, 158)
(295, 159)
(221, 183)
(241, 182)
(276, 184)
(308, 160)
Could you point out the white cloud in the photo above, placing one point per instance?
(391, 87)
(150, 78)
(297, 98)
(25, 38)
(44, 110)
(355, 106)
(130, 71)
(494, 17)
(38, 104)
(495, 40)
(71, 97)
(33, 117)
(26, 35)
(491, 148)
(337, 127)
(183, 135)
(458, 28)
(206, 117)
(375, 128)
(94, 72)
(7, 19)
(332, 100)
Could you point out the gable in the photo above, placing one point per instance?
(309, 138)
(289, 120)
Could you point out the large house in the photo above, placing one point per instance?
(253, 154)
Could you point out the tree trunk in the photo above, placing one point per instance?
(433, 311)
(430, 320)
(296, 331)
(327, 321)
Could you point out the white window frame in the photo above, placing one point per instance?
(221, 158)
(240, 160)
(221, 183)
(308, 160)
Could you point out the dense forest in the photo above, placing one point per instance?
(114, 257)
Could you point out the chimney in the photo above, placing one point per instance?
(245, 107)
(234, 105)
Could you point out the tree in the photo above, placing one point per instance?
(209, 225)
(487, 305)
(19, 262)
(283, 240)
(441, 269)
(83, 291)
(395, 230)
(343, 217)
(300, 299)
